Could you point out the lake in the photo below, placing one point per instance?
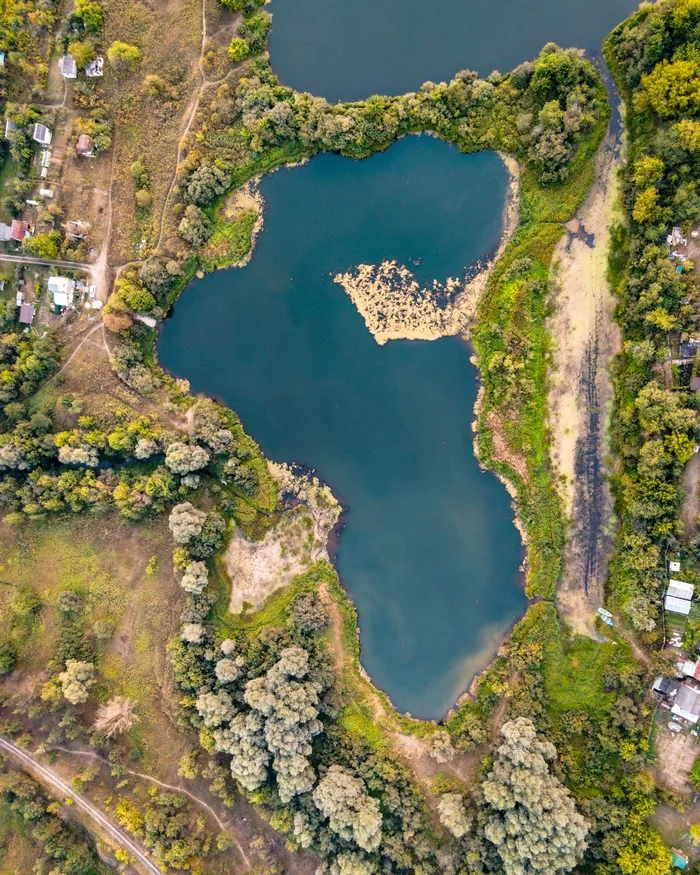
(348, 51)
(429, 552)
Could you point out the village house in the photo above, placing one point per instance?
(84, 145)
(41, 134)
(679, 597)
(62, 290)
(26, 314)
(5, 232)
(682, 697)
(68, 67)
(19, 230)
(94, 68)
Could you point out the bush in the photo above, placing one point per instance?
(122, 56)
(238, 50)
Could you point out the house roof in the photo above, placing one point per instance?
(84, 143)
(94, 68)
(677, 606)
(68, 67)
(61, 284)
(41, 134)
(26, 314)
(668, 687)
(680, 589)
(695, 384)
(4, 232)
(687, 703)
(9, 127)
(678, 859)
(62, 299)
(18, 230)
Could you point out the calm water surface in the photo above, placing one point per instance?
(348, 50)
(429, 553)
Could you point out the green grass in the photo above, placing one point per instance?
(230, 242)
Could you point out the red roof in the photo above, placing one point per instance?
(19, 230)
(84, 143)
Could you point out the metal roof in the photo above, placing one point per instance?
(677, 606)
(680, 589)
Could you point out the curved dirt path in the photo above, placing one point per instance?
(585, 339)
(59, 786)
(222, 825)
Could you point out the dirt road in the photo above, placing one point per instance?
(585, 338)
(54, 783)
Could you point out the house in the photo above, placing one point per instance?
(19, 230)
(10, 126)
(695, 384)
(676, 238)
(48, 192)
(689, 348)
(41, 134)
(674, 567)
(667, 687)
(679, 597)
(5, 232)
(84, 145)
(26, 314)
(68, 67)
(94, 68)
(62, 290)
(77, 229)
(686, 703)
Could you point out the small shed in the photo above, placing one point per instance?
(84, 145)
(41, 134)
(19, 230)
(26, 314)
(695, 384)
(48, 192)
(95, 68)
(679, 859)
(68, 67)
(10, 126)
(674, 567)
(5, 232)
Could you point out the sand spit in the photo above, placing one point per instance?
(585, 337)
(395, 306)
(300, 538)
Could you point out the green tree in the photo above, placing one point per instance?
(238, 50)
(122, 56)
(91, 14)
(45, 245)
(82, 53)
(671, 89)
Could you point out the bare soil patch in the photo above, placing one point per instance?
(691, 503)
(585, 338)
(676, 753)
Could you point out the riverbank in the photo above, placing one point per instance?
(585, 338)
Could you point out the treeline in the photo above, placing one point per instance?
(654, 56)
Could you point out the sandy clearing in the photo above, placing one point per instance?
(585, 338)
(691, 502)
(395, 306)
(258, 568)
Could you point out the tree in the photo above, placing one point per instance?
(453, 814)
(184, 458)
(91, 14)
(351, 812)
(122, 56)
(144, 199)
(238, 50)
(43, 245)
(441, 748)
(82, 455)
(671, 89)
(195, 227)
(532, 821)
(83, 53)
(228, 670)
(115, 717)
(646, 206)
(195, 577)
(186, 522)
(308, 614)
(689, 134)
(205, 184)
(77, 680)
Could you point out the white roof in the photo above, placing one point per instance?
(687, 704)
(41, 134)
(9, 127)
(680, 589)
(68, 67)
(61, 284)
(674, 566)
(94, 68)
(61, 299)
(677, 606)
(4, 231)
(46, 192)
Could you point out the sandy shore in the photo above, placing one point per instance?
(396, 307)
(585, 338)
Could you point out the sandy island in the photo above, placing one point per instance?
(396, 307)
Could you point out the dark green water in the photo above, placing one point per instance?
(349, 50)
(429, 553)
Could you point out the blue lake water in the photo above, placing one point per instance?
(429, 553)
(350, 50)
